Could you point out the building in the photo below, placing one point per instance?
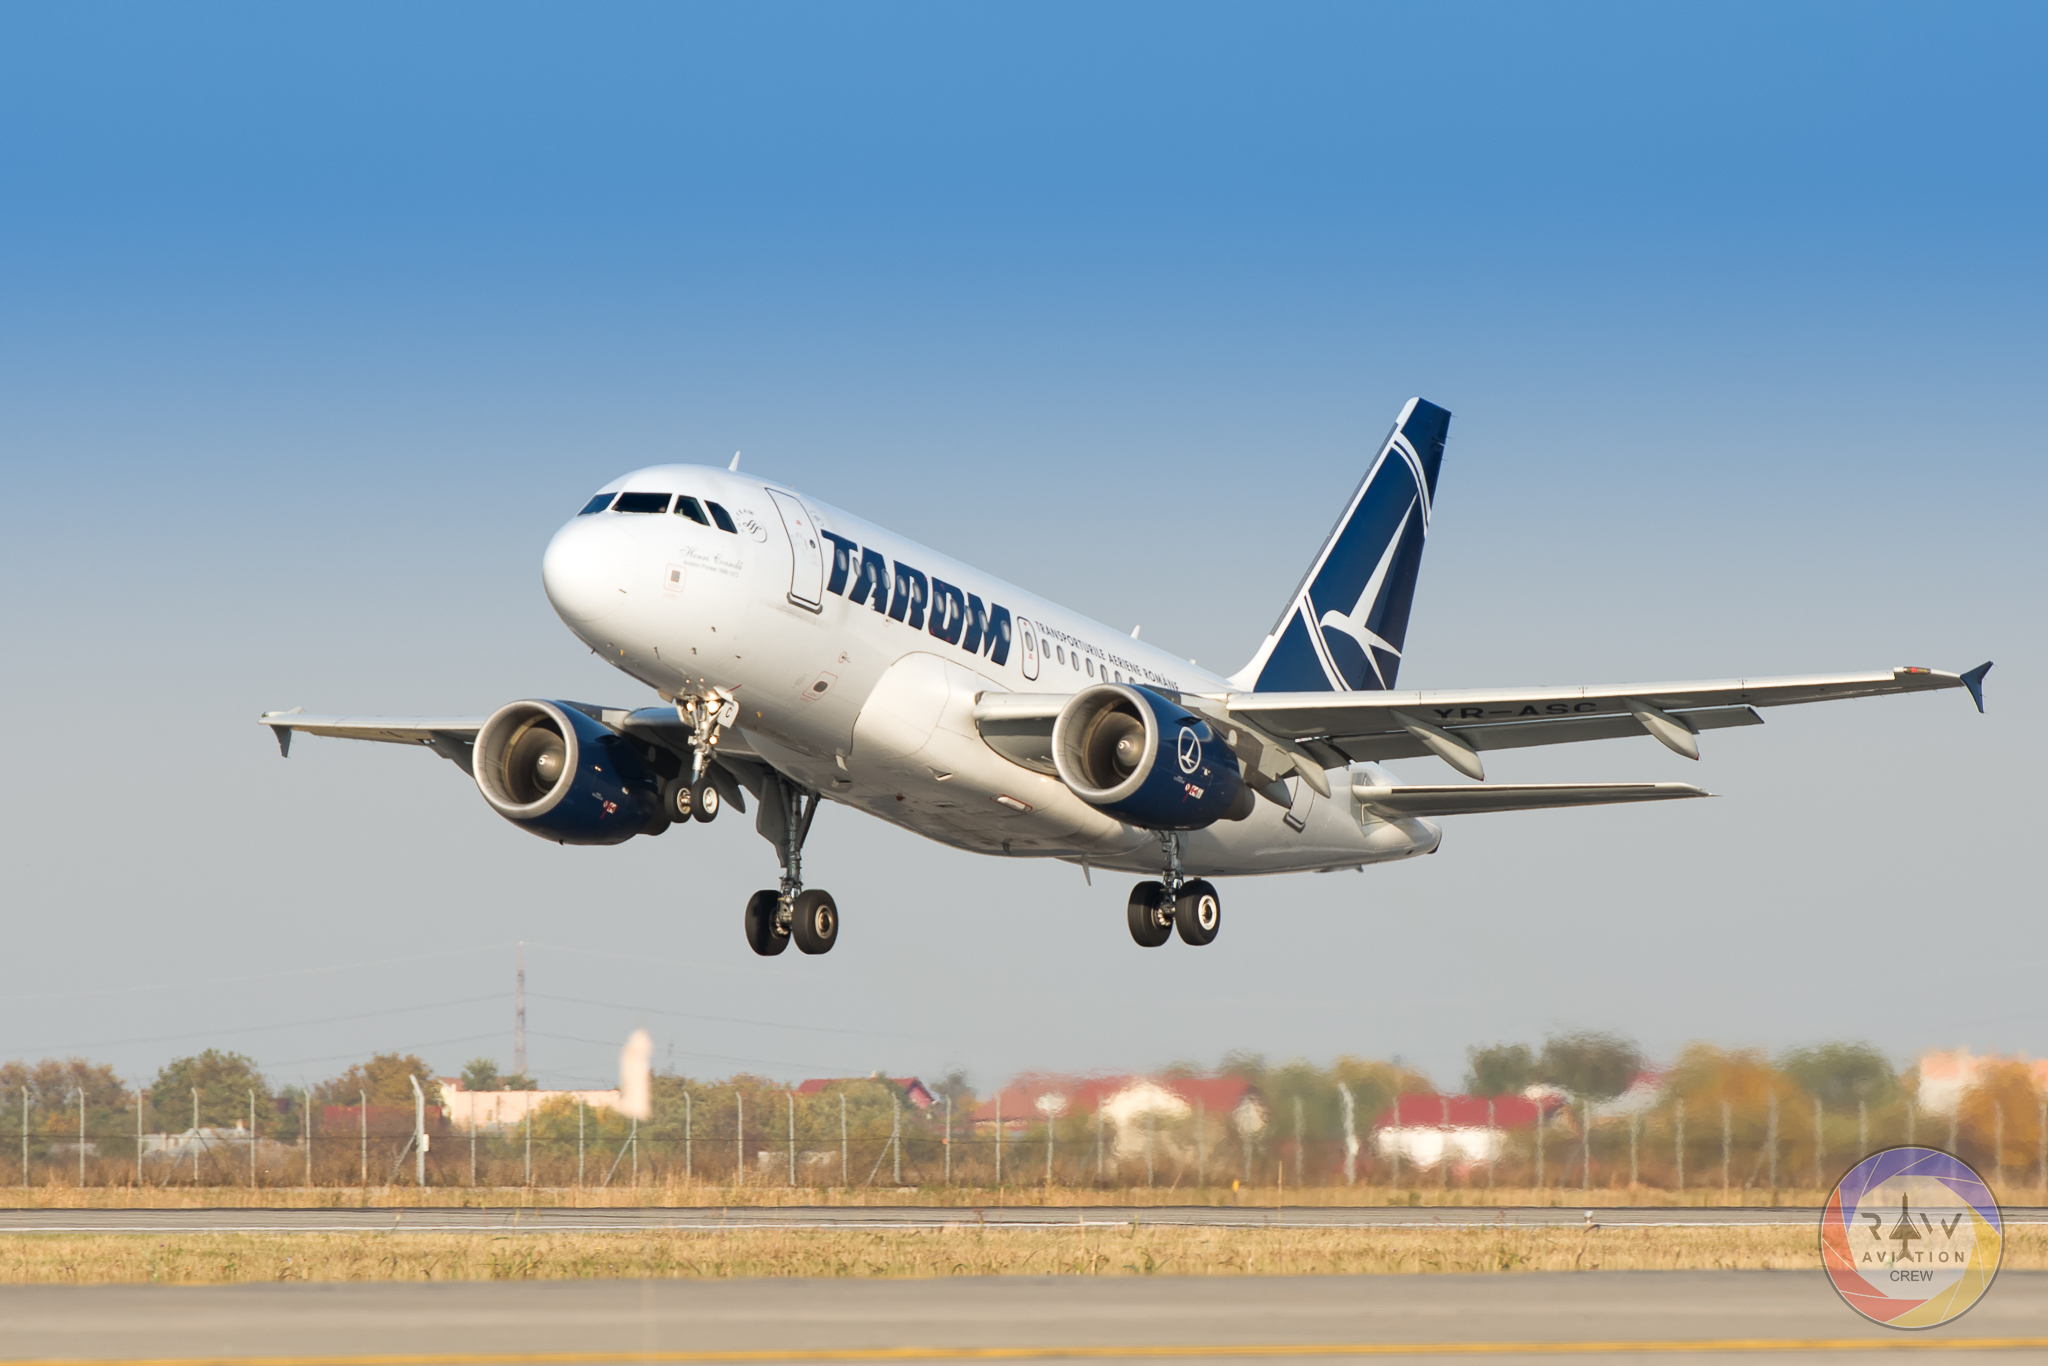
(1136, 1111)
(1466, 1131)
(914, 1091)
(1946, 1076)
(501, 1112)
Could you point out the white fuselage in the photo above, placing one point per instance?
(875, 710)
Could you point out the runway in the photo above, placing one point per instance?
(1756, 1316)
(555, 1219)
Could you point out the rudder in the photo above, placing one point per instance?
(1346, 621)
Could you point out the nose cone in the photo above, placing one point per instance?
(586, 569)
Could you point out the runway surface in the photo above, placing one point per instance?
(1767, 1316)
(557, 1220)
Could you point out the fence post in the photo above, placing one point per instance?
(306, 1128)
(790, 1096)
(1539, 1137)
(1635, 1129)
(1492, 1136)
(363, 1122)
(1678, 1143)
(739, 1137)
(1997, 1138)
(896, 1132)
(419, 1133)
(1727, 1139)
(999, 1138)
(845, 1181)
(195, 1135)
(1443, 1166)
(634, 1139)
(529, 1143)
(1820, 1145)
(472, 1149)
(2041, 1131)
(1351, 1137)
(1201, 1145)
(579, 1142)
(138, 1138)
(24, 1138)
(1098, 1142)
(689, 1133)
(1151, 1128)
(949, 1136)
(1771, 1137)
(1051, 1120)
(1298, 1138)
(1586, 1120)
(252, 1133)
(81, 1135)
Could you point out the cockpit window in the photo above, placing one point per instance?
(597, 504)
(687, 506)
(723, 518)
(641, 502)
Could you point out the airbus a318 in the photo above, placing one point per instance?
(802, 655)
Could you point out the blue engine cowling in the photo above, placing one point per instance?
(1130, 752)
(554, 772)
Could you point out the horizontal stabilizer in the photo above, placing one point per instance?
(1463, 799)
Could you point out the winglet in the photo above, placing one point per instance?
(1974, 681)
(284, 733)
(735, 461)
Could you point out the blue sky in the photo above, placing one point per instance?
(315, 321)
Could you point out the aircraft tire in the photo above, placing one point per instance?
(816, 924)
(704, 801)
(1198, 913)
(762, 936)
(1148, 928)
(675, 799)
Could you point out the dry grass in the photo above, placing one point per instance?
(217, 1258)
(701, 1195)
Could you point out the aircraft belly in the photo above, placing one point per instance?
(917, 756)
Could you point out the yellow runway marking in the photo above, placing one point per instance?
(1900, 1343)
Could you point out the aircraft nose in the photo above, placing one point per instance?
(584, 569)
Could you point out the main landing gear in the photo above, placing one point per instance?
(777, 916)
(1190, 906)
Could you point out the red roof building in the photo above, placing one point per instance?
(913, 1090)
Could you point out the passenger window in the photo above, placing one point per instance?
(722, 517)
(597, 504)
(1061, 651)
(687, 506)
(1091, 668)
(641, 502)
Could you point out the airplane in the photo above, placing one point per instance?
(803, 655)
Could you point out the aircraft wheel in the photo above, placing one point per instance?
(1149, 916)
(763, 936)
(1198, 914)
(675, 799)
(816, 927)
(704, 801)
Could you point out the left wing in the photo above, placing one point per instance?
(1335, 729)
(1464, 799)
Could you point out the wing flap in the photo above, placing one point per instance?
(1463, 799)
(1522, 734)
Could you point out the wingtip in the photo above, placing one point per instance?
(1974, 681)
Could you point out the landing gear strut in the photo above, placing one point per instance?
(1191, 906)
(776, 917)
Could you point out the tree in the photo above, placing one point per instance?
(1504, 1069)
(384, 1079)
(480, 1074)
(53, 1086)
(1840, 1074)
(1590, 1064)
(223, 1081)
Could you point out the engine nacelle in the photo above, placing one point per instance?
(554, 772)
(1128, 751)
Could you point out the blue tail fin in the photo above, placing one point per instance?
(1343, 628)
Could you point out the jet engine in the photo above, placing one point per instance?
(554, 772)
(1130, 752)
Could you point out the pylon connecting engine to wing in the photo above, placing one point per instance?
(1130, 752)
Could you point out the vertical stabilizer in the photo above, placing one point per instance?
(1343, 628)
